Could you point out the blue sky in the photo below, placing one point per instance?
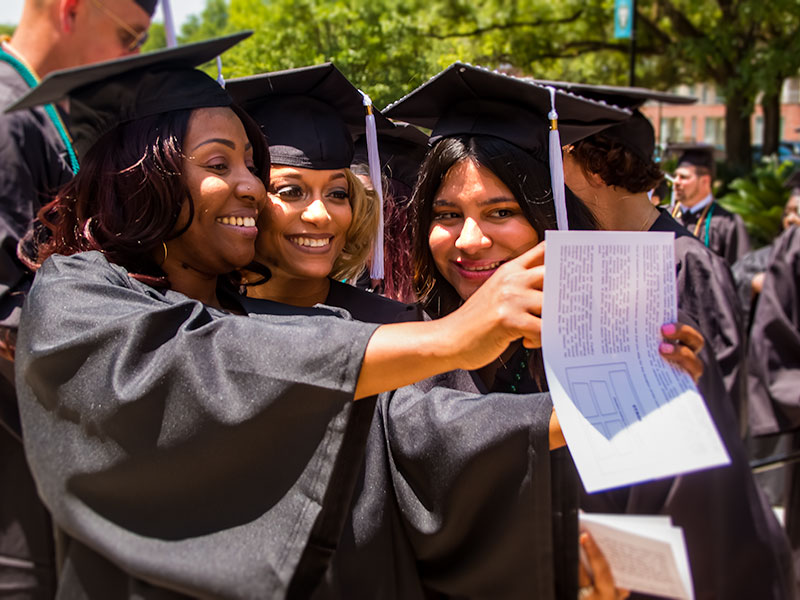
(10, 10)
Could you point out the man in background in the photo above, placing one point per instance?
(720, 230)
(36, 158)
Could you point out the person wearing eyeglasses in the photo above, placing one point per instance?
(36, 158)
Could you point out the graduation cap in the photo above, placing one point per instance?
(402, 148)
(105, 94)
(637, 133)
(464, 99)
(310, 116)
(698, 155)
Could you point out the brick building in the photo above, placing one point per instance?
(705, 120)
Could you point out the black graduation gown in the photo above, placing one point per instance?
(707, 294)
(735, 545)
(774, 366)
(181, 450)
(458, 495)
(32, 166)
(747, 267)
(725, 232)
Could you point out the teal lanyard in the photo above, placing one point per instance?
(50, 109)
(706, 237)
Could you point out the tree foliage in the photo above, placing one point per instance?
(387, 48)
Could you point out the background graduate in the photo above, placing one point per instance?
(725, 520)
(182, 448)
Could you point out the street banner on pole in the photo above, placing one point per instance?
(623, 19)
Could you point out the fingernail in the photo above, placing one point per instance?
(669, 329)
(666, 348)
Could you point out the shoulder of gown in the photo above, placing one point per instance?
(774, 357)
(180, 448)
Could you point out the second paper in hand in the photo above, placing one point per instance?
(627, 415)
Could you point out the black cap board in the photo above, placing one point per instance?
(464, 99)
(637, 133)
(149, 6)
(698, 156)
(310, 115)
(104, 94)
(628, 97)
(402, 149)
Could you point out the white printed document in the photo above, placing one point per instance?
(647, 554)
(627, 415)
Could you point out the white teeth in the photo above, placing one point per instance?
(311, 242)
(237, 221)
(483, 268)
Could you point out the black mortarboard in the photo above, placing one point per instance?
(468, 100)
(698, 156)
(637, 133)
(402, 149)
(464, 99)
(104, 94)
(310, 115)
(149, 6)
(627, 97)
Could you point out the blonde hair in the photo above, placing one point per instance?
(361, 234)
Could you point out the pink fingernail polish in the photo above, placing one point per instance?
(668, 329)
(666, 348)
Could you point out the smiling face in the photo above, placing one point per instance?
(218, 171)
(303, 228)
(477, 226)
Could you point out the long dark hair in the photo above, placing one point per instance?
(127, 197)
(526, 176)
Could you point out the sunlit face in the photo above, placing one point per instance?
(106, 29)
(218, 171)
(690, 187)
(477, 226)
(304, 226)
(790, 214)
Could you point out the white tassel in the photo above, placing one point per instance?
(376, 269)
(557, 165)
(220, 78)
(169, 24)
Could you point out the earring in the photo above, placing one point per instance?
(164, 244)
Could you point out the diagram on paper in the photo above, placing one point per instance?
(605, 395)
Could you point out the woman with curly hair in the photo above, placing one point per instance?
(725, 520)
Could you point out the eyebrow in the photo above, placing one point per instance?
(222, 141)
(488, 202)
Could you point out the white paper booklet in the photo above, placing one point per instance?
(647, 554)
(627, 415)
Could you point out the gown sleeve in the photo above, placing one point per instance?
(181, 450)
(471, 474)
(774, 357)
